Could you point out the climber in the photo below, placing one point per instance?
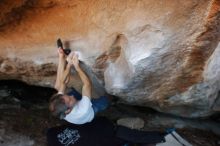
(73, 107)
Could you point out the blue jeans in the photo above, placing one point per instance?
(98, 104)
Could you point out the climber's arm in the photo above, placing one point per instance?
(63, 71)
(87, 88)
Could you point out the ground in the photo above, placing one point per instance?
(34, 123)
(24, 120)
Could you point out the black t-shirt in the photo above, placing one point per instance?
(99, 132)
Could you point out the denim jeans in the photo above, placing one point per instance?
(98, 104)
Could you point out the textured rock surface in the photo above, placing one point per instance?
(130, 122)
(162, 54)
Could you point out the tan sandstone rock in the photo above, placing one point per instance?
(161, 54)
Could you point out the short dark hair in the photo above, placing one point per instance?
(57, 106)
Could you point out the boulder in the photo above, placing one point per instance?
(159, 54)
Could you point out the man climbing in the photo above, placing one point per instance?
(73, 107)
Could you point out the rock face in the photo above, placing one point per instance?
(160, 54)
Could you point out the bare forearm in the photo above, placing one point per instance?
(83, 76)
(66, 73)
(60, 70)
(86, 89)
(64, 77)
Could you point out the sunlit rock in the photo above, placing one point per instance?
(159, 54)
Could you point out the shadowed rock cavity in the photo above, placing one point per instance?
(159, 54)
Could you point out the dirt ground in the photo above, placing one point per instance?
(34, 124)
(25, 118)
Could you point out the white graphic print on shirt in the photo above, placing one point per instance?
(68, 136)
